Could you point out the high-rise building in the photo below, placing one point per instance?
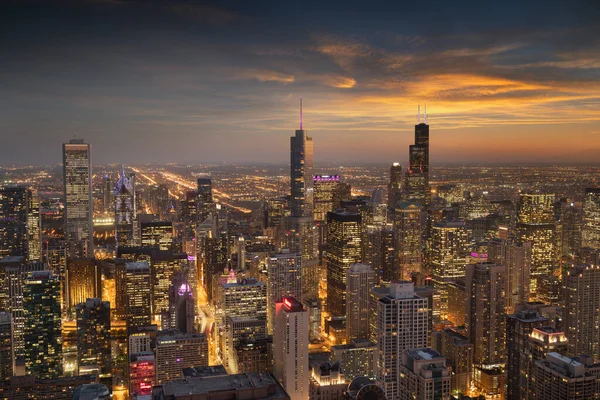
(590, 233)
(157, 234)
(402, 324)
(343, 249)
(42, 333)
(124, 211)
(423, 376)
(581, 296)
(327, 382)
(78, 211)
(360, 279)
(559, 377)
(108, 200)
(408, 234)
(83, 281)
(20, 227)
(516, 257)
(301, 172)
(395, 186)
(291, 347)
(6, 346)
(357, 358)
(518, 329)
(301, 238)
(93, 337)
(417, 175)
(536, 224)
(285, 279)
(142, 374)
(181, 314)
(485, 313)
(175, 351)
(205, 201)
(138, 294)
(449, 249)
(458, 351)
(329, 191)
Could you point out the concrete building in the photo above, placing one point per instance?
(423, 376)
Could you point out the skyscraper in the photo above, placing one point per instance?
(83, 281)
(124, 211)
(285, 279)
(181, 314)
(43, 335)
(20, 222)
(417, 175)
(329, 191)
(408, 234)
(157, 234)
(402, 324)
(590, 233)
(360, 279)
(559, 377)
(176, 351)
(458, 351)
(205, 202)
(291, 348)
(138, 293)
(93, 337)
(301, 172)
(6, 346)
(108, 200)
(78, 211)
(395, 186)
(516, 257)
(343, 249)
(423, 376)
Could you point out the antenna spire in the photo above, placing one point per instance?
(419, 114)
(425, 112)
(300, 113)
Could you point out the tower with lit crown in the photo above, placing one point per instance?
(124, 211)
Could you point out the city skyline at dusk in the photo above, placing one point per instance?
(194, 82)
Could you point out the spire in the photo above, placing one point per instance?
(419, 114)
(425, 112)
(300, 113)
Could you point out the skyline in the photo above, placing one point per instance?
(196, 83)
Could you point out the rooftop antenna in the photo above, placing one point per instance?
(300, 113)
(425, 112)
(419, 114)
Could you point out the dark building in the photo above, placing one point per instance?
(19, 222)
(93, 337)
(301, 172)
(417, 175)
(205, 202)
(395, 185)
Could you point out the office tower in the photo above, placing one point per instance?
(378, 251)
(108, 200)
(408, 234)
(516, 257)
(124, 211)
(157, 234)
(423, 376)
(458, 351)
(402, 324)
(240, 332)
(327, 382)
(329, 191)
(285, 279)
(83, 281)
(581, 291)
(519, 327)
(590, 232)
(241, 253)
(360, 279)
(181, 314)
(485, 312)
(93, 337)
(6, 346)
(301, 238)
(78, 211)
(253, 355)
(20, 227)
(315, 308)
(559, 377)
(291, 347)
(395, 186)
(343, 249)
(142, 374)
(205, 201)
(449, 249)
(357, 358)
(138, 294)
(536, 224)
(15, 270)
(456, 302)
(175, 351)
(301, 172)
(42, 333)
(417, 176)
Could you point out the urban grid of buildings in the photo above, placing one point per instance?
(159, 283)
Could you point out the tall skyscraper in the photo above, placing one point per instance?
(360, 279)
(157, 234)
(536, 224)
(423, 376)
(417, 175)
(291, 348)
(108, 200)
(93, 337)
(20, 227)
(205, 201)
(395, 186)
(590, 233)
(6, 346)
(181, 314)
(138, 293)
(458, 351)
(176, 351)
(43, 335)
(329, 191)
(402, 324)
(581, 291)
(516, 257)
(83, 281)
(285, 279)
(485, 312)
(78, 211)
(343, 249)
(408, 238)
(301, 172)
(124, 211)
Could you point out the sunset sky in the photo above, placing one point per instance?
(183, 81)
